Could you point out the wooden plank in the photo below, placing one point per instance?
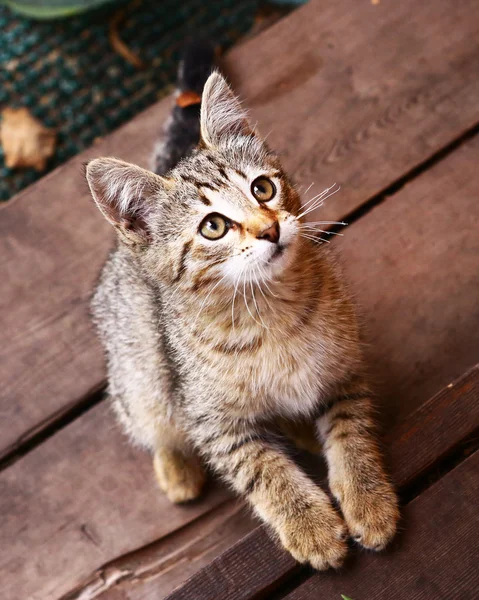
(350, 91)
(423, 321)
(170, 560)
(259, 561)
(251, 567)
(421, 317)
(53, 245)
(448, 417)
(412, 264)
(81, 499)
(429, 287)
(360, 93)
(436, 555)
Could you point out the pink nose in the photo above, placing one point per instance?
(271, 233)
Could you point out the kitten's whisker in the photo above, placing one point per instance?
(318, 197)
(267, 278)
(265, 137)
(177, 288)
(324, 223)
(308, 188)
(276, 326)
(317, 204)
(314, 238)
(310, 237)
(323, 192)
(269, 289)
(265, 281)
(259, 281)
(233, 303)
(312, 228)
(254, 300)
(246, 303)
(310, 209)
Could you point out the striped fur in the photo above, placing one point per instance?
(210, 343)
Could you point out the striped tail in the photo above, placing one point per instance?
(182, 130)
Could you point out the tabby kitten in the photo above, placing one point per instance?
(220, 317)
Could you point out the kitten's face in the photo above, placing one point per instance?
(225, 214)
(241, 223)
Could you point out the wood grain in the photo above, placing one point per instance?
(450, 416)
(170, 560)
(436, 555)
(264, 565)
(418, 283)
(352, 92)
(412, 262)
(249, 569)
(77, 502)
(358, 93)
(53, 245)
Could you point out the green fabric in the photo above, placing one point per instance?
(49, 9)
(68, 75)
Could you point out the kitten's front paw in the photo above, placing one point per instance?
(317, 536)
(180, 477)
(371, 515)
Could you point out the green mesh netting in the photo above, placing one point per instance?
(70, 78)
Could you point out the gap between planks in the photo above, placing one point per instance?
(434, 556)
(366, 195)
(201, 537)
(408, 493)
(397, 185)
(273, 567)
(414, 480)
(45, 430)
(398, 101)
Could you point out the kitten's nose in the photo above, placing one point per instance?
(271, 233)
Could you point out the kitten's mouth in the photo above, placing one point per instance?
(278, 252)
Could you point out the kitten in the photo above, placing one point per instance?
(219, 317)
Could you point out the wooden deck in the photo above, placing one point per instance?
(383, 99)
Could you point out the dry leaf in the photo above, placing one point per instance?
(25, 141)
(118, 44)
(187, 99)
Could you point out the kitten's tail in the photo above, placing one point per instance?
(182, 130)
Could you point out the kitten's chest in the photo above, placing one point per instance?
(262, 371)
(288, 376)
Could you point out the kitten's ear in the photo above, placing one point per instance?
(126, 195)
(222, 116)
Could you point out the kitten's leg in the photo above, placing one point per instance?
(178, 469)
(299, 512)
(357, 476)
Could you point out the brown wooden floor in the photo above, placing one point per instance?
(381, 98)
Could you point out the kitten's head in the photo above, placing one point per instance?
(226, 212)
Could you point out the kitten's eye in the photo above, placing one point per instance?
(263, 189)
(214, 227)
